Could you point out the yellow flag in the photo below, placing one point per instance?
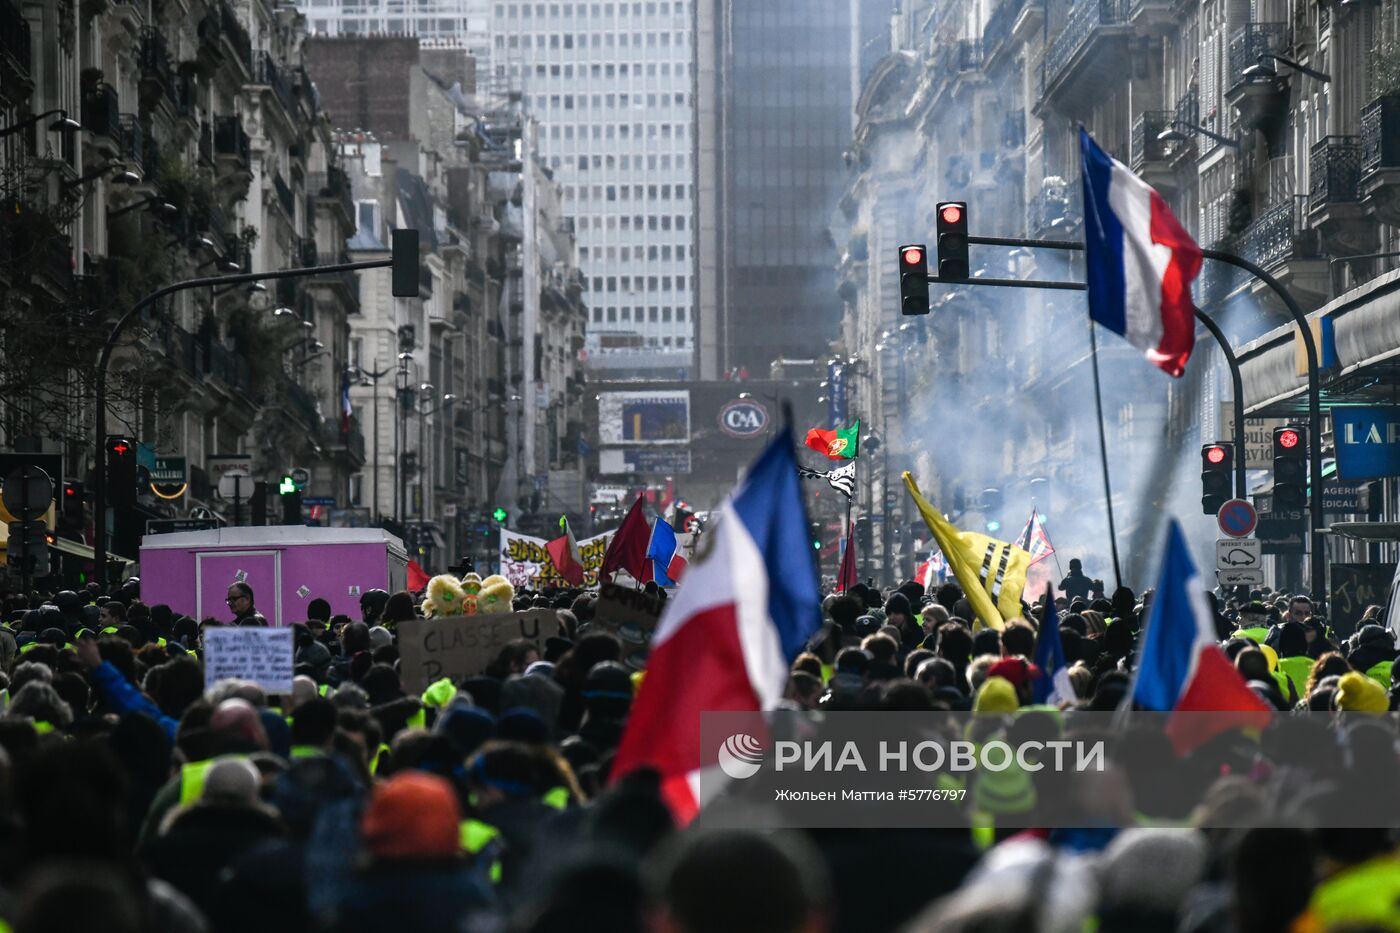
(992, 573)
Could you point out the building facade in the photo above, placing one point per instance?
(1284, 164)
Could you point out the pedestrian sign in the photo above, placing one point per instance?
(1237, 518)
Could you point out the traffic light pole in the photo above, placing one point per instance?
(104, 359)
(1237, 382)
(1317, 572)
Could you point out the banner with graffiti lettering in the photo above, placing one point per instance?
(525, 563)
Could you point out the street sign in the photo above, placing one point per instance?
(28, 492)
(165, 526)
(52, 464)
(1239, 577)
(1239, 554)
(1237, 518)
(1340, 497)
(449, 510)
(302, 477)
(1282, 532)
(219, 464)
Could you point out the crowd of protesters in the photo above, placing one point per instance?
(133, 797)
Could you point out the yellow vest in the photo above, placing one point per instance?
(476, 836)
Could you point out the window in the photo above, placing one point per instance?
(357, 486)
(665, 315)
(612, 315)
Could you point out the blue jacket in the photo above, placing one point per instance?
(119, 694)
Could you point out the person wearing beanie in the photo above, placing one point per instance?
(1358, 693)
(413, 877)
(1373, 651)
(996, 695)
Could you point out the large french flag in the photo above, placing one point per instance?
(1180, 667)
(1140, 261)
(725, 641)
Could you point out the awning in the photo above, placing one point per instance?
(436, 536)
(78, 549)
(1366, 331)
(1367, 531)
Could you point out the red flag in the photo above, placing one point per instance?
(417, 577)
(564, 553)
(628, 548)
(846, 576)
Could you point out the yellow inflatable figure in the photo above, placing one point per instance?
(495, 596)
(471, 586)
(445, 597)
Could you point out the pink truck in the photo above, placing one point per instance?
(286, 565)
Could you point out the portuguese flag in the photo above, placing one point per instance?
(840, 444)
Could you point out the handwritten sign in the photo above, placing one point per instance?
(1354, 587)
(631, 615)
(525, 562)
(260, 655)
(462, 646)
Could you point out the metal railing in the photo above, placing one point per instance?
(1001, 22)
(1380, 134)
(284, 194)
(155, 61)
(232, 140)
(335, 184)
(14, 36)
(302, 403)
(1146, 147)
(1270, 240)
(1188, 107)
(267, 72)
(1049, 212)
(131, 137)
(1085, 18)
(230, 368)
(1248, 43)
(206, 143)
(1334, 170)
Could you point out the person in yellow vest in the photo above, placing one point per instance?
(1290, 640)
(1372, 651)
(313, 728)
(1254, 623)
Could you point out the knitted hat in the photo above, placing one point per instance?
(996, 695)
(412, 816)
(1358, 693)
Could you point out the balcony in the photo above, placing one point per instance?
(1146, 148)
(206, 144)
(1260, 101)
(1188, 113)
(101, 113)
(1334, 202)
(1091, 50)
(222, 37)
(230, 368)
(231, 144)
(345, 284)
(267, 73)
(301, 404)
(1054, 212)
(342, 443)
(1380, 158)
(157, 75)
(131, 139)
(1010, 24)
(334, 186)
(285, 196)
(1280, 241)
(16, 56)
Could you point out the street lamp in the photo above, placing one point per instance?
(64, 122)
(163, 208)
(125, 175)
(1177, 132)
(1262, 68)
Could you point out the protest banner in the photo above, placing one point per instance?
(463, 646)
(260, 655)
(526, 564)
(631, 615)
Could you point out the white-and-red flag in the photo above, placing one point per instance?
(1034, 540)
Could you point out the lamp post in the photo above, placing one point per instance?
(403, 260)
(64, 123)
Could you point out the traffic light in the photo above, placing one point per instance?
(121, 472)
(1217, 472)
(500, 514)
(290, 493)
(865, 537)
(991, 509)
(258, 502)
(1290, 469)
(404, 272)
(815, 529)
(27, 550)
(913, 279)
(953, 264)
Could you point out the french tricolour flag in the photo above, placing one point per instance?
(1180, 667)
(668, 566)
(1140, 261)
(727, 637)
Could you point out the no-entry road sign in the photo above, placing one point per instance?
(1237, 518)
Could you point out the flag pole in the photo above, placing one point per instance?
(1103, 456)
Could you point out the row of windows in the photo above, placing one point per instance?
(630, 222)
(396, 27)
(627, 163)
(609, 73)
(540, 10)
(627, 101)
(598, 40)
(638, 283)
(651, 315)
(652, 341)
(627, 253)
(628, 193)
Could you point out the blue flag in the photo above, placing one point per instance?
(1053, 683)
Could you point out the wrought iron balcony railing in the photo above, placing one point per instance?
(1334, 171)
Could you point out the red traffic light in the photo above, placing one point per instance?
(913, 255)
(951, 213)
(119, 447)
(1215, 454)
(1288, 439)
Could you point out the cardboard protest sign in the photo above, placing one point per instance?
(260, 655)
(631, 615)
(462, 646)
